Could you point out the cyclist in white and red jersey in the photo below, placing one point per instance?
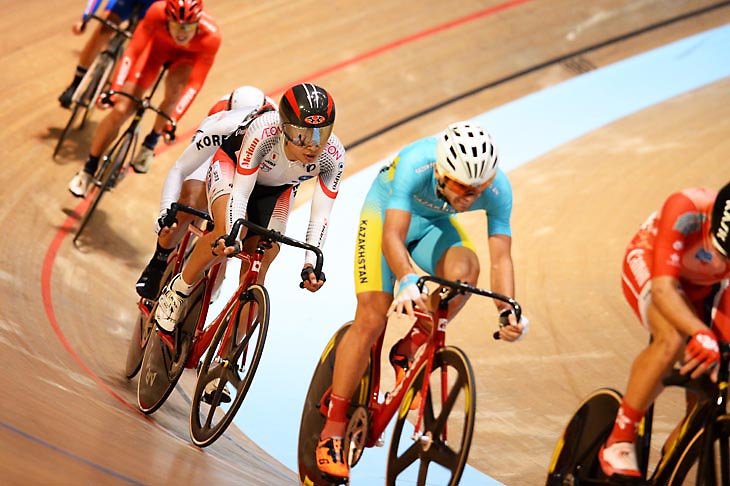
(185, 182)
(255, 174)
(675, 277)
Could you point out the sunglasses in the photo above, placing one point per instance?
(183, 27)
(307, 136)
(463, 190)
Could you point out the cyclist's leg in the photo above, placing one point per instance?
(109, 126)
(440, 248)
(193, 195)
(93, 46)
(374, 283)
(175, 82)
(97, 40)
(644, 385)
(268, 207)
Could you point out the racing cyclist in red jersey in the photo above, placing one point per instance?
(675, 273)
(178, 32)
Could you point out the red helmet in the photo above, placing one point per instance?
(183, 11)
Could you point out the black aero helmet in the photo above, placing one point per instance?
(720, 221)
(307, 105)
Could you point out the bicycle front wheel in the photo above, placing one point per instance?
(143, 327)
(716, 467)
(441, 445)
(229, 366)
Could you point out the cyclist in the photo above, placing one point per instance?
(116, 11)
(410, 213)
(675, 271)
(178, 32)
(256, 174)
(185, 182)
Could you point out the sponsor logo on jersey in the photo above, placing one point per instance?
(638, 267)
(333, 151)
(362, 273)
(271, 131)
(245, 162)
(724, 227)
(689, 223)
(208, 141)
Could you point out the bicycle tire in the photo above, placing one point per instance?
(209, 421)
(71, 120)
(575, 459)
(112, 165)
(161, 369)
(690, 454)
(312, 420)
(143, 327)
(455, 415)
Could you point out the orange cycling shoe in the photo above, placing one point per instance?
(619, 461)
(330, 460)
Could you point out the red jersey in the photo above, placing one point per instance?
(676, 242)
(152, 46)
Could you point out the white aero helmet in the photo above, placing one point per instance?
(247, 96)
(466, 153)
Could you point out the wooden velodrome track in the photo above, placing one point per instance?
(67, 415)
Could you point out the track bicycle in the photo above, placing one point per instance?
(144, 323)
(234, 341)
(701, 450)
(443, 420)
(114, 165)
(96, 79)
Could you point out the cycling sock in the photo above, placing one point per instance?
(92, 163)
(150, 141)
(80, 71)
(159, 259)
(627, 421)
(336, 417)
(180, 286)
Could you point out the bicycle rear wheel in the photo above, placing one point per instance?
(233, 369)
(716, 470)
(447, 428)
(575, 459)
(161, 368)
(312, 418)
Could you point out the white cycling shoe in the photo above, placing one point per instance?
(81, 183)
(143, 161)
(170, 307)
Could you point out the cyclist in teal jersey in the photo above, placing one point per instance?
(409, 215)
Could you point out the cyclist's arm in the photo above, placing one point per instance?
(199, 72)
(395, 230)
(91, 7)
(139, 46)
(670, 238)
(501, 270)
(673, 306)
